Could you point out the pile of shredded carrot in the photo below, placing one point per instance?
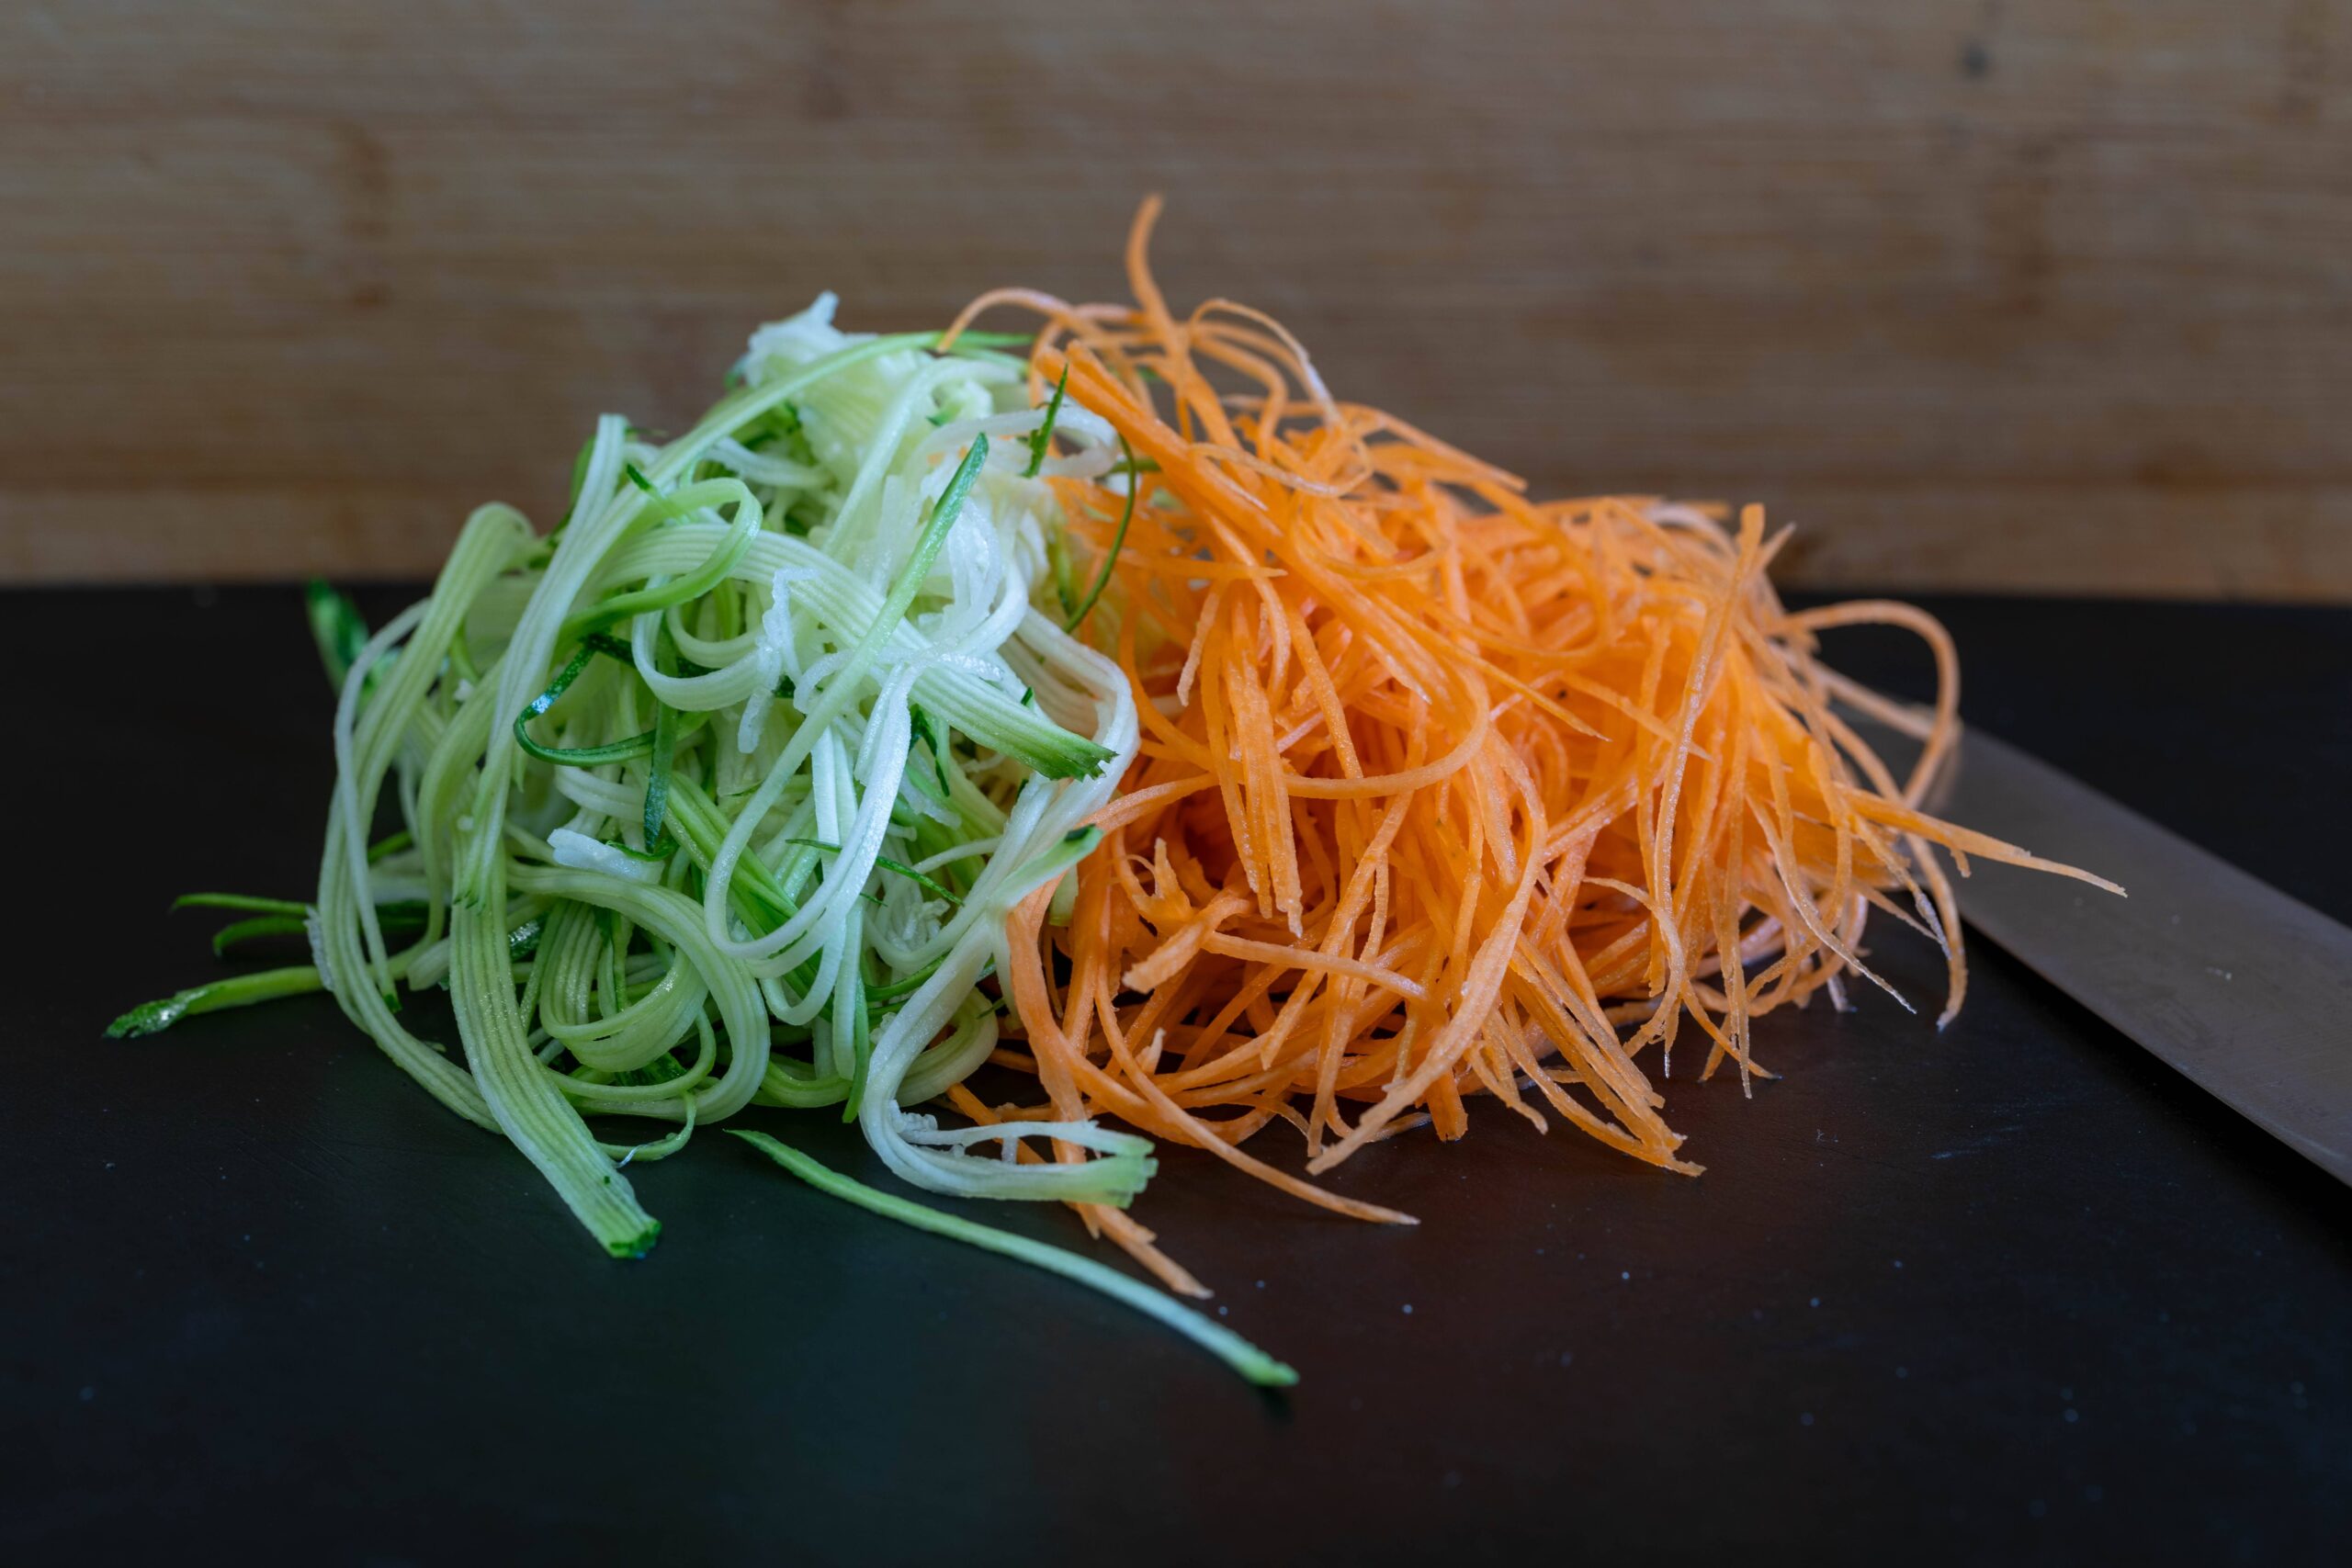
(1443, 792)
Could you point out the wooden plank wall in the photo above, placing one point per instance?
(2018, 294)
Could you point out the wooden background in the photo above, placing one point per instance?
(1984, 293)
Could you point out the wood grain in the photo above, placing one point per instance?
(2025, 296)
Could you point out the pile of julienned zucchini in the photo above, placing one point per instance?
(719, 793)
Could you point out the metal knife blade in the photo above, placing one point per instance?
(2245, 990)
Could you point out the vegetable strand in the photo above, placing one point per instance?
(1244, 1358)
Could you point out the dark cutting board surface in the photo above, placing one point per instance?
(2013, 1291)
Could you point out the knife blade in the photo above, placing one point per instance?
(2244, 990)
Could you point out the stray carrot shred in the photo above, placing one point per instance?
(1443, 792)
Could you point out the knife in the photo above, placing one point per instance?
(2244, 990)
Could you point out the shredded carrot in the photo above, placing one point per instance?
(1443, 792)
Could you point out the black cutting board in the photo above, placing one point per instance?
(2011, 1292)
